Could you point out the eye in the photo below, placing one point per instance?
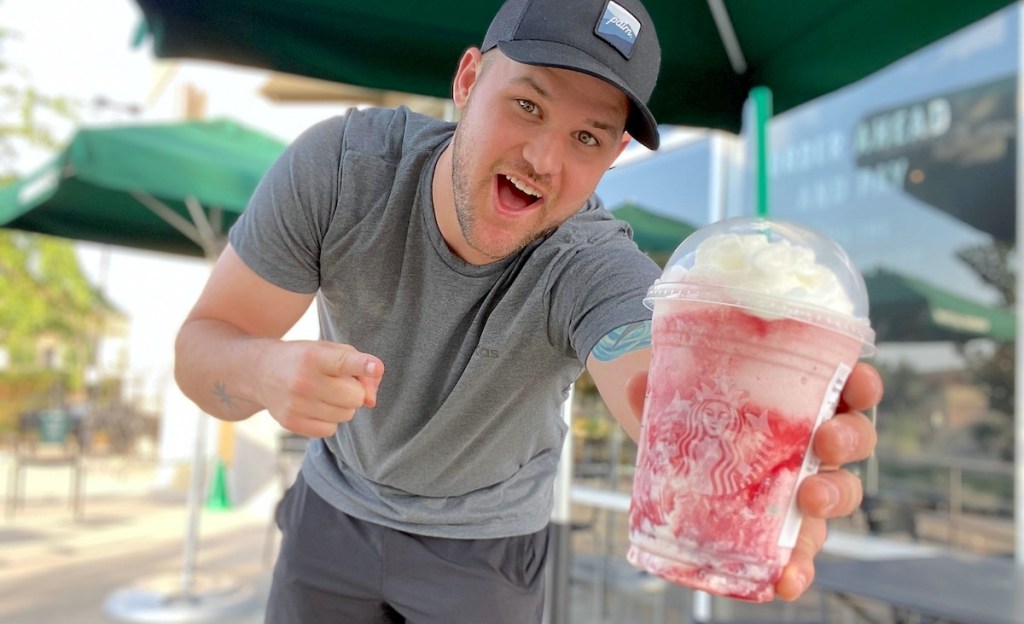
(527, 106)
(588, 139)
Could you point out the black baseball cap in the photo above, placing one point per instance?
(613, 40)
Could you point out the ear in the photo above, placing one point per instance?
(622, 144)
(466, 76)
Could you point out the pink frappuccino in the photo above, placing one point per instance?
(756, 327)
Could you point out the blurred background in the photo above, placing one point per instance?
(912, 169)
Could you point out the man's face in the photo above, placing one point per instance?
(532, 144)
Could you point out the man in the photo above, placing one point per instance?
(463, 276)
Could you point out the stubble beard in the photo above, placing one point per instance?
(463, 194)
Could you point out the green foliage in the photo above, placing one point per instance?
(46, 303)
(45, 294)
(992, 263)
(904, 424)
(28, 117)
(993, 368)
(42, 289)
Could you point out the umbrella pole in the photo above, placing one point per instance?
(195, 490)
(187, 598)
(1018, 400)
(762, 99)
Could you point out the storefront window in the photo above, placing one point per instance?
(913, 172)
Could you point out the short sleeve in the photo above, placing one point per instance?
(280, 233)
(600, 289)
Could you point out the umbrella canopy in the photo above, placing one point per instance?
(906, 309)
(655, 234)
(177, 188)
(714, 51)
(174, 187)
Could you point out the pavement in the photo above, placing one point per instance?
(55, 569)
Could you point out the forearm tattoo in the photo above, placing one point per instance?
(623, 340)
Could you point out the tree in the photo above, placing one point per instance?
(43, 292)
(28, 117)
(993, 368)
(992, 264)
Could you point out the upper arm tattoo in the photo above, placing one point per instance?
(623, 340)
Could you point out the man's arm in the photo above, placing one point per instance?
(230, 359)
(618, 364)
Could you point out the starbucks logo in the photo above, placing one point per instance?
(721, 443)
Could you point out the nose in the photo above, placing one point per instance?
(544, 151)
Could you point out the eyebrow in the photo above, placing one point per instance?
(612, 130)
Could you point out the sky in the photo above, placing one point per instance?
(95, 58)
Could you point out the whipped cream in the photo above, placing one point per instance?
(753, 263)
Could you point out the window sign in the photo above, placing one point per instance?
(914, 163)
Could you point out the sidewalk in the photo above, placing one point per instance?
(54, 570)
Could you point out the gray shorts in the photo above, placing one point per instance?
(333, 568)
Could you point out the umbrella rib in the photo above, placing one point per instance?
(195, 210)
(172, 218)
(728, 36)
(217, 218)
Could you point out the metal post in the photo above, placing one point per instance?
(956, 503)
(189, 598)
(1018, 401)
(559, 559)
(195, 492)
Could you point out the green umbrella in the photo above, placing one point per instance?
(655, 234)
(174, 187)
(801, 49)
(177, 188)
(907, 309)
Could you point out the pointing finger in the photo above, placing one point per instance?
(371, 385)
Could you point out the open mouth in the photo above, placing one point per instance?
(515, 195)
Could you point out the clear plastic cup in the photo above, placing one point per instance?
(756, 327)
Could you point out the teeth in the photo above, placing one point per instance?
(519, 184)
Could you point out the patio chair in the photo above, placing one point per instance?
(46, 439)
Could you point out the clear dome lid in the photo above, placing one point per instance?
(775, 269)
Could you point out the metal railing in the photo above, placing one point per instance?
(967, 489)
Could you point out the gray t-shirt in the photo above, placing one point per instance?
(466, 435)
